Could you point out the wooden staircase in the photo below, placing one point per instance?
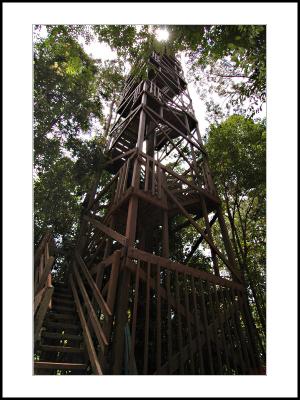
(60, 349)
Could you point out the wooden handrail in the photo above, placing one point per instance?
(96, 329)
(175, 266)
(86, 332)
(43, 289)
(43, 263)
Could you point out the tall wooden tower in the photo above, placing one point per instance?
(144, 307)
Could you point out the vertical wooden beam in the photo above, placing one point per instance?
(179, 324)
(209, 234)
(134, 317)
(238, 329)
(165, 232)
(215, 329)
(206, 331)
(189, 327)
(147, 315)
(158, 320)
(222, 329)
(196, 313)
(227, 243)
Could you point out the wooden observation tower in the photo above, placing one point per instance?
(143, 306)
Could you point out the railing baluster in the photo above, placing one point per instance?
(239, 329)
(187, 308)
(179, 324)
(206, 331)
(134, 316)
(147, 168)
(169, 323)
(153, 177)
(221, 327)
(158, 320)
(197, 325)
(214, 328)
(146, 338)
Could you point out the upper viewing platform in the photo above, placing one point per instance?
(166, 77)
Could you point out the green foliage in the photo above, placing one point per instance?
(70, 91)
(56, 203)
(65, 95)
(216, 54)
(237, 151)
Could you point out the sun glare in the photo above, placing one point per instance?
(162, 35)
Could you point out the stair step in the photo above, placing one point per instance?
(61, 300)
(62, 317)
(59, 349)
(63, 296)
(58, 335)
(57, 365)
(63, 326)
(62, 308)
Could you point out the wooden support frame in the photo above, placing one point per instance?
(136, 268)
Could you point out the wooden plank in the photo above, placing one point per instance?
(198, 241)
(214, 329)
(46, 271)
(169, 317)
(209, 235)
(86, 333)
(103, 264)
(159, 182)
(91, 312)
(235, 335)
(147, 314)
(37, 299)
(124, 155)
(206, 237)
(175, 266)
(96, 292)
(147, 172)
(221, 325)
(173, 127)
(113, 280)
(181, 178)
(249, 327)
(206, 330)
(179, 324)
(134, 316)
(112, 288)
(146, 196)
(158, 321)
(196, 313)
(186, 299)
(238, 329)
(229, 334)
(124, 188)
(132, 267)
(172, 142)
(41, 247)
(59, 365)
(108, 231)
(153, 191)
(40, 316)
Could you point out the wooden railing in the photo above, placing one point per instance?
(94, 293)
(192, 322)
(43, 289)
